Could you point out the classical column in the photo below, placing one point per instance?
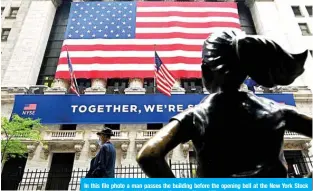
(59, 86)
(177, 89)
(26, 59)
(135, 87)
(98, 86)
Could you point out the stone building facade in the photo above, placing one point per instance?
(25, 51)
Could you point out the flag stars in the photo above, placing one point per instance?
(89, 23)
(81, 35)
(113, 15)
(83, 27)
(119, 11)
(125, 7)
(108, 11)
(111, 31)
(105, 35)
(130, 19)
(75, 12)
(118, 27)
(123, 31)
(112, 23)
(82, 8)
(70, 35)
(80, 15)
(96, 19)
(101, 23)
(117, 35)
(98, 4)
(85, 19)
(91, 15)
(106, 27)
(114, 7)
(72, 27)
(92, 8)
(102, 15)
(128, 35)
(78, 23)
(95, 27)
(76, 31)
(77, 4)
(93, 35)
(102, 7)
(129, 27)
(124, 15)
(73, 19)
(88, 31)
(86, 11)
(100, 30)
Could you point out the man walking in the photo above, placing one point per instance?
(103, 165)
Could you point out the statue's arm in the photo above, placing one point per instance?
(151, 158)
(298, 122)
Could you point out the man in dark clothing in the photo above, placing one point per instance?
(103, 165)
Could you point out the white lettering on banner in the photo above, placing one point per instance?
(108, 107)
(82, 109)
(159, 108)
(190, 106)
(100, 108)
(116, 108)
(133, 108)
(149, 108)
(74, 108)
(126, 108)
(180, 108)
(171, 108)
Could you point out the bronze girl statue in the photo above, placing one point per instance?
(234, 133)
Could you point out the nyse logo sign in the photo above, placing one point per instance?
(29, 109)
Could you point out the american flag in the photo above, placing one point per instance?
(30, 107)
(164, 78)
(74, 86)
(116, 39)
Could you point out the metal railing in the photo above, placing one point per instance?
(68, 179)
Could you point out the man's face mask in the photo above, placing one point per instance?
(100, 142)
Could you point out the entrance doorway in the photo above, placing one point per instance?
(12, 172)
(60, 171)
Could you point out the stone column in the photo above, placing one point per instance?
(177, 89)
(25, 62)
(135, 87)
(59, 86)
(98, 86)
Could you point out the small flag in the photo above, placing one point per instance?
(164, 78)
(74, 86)
(30, 107)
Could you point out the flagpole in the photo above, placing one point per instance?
(154, 82)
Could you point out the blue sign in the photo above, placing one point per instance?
(207, 184)
(111, 109)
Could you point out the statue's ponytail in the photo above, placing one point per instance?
(261, 59)
(267, 63)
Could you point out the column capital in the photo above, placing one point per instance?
(177, 89)
(98, 86)
(59, 86)
(135, 86)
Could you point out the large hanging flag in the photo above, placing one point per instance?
(164, 80)
(116, 39)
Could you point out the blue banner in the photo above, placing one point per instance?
(207, 184)
(111, 109)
